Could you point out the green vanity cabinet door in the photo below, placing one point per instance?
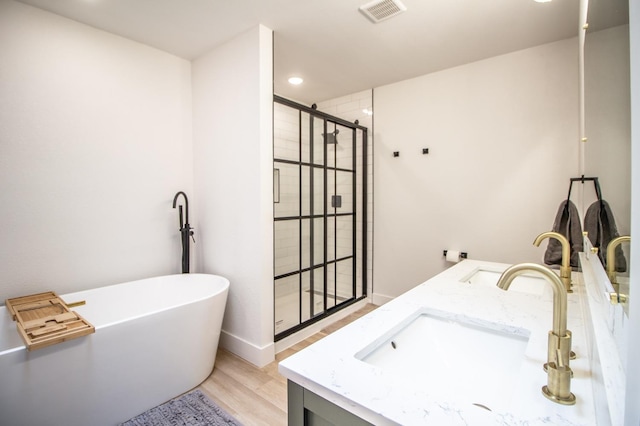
(308, 409)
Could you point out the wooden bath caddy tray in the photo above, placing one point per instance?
(44, 319)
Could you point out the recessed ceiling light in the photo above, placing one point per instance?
(295, 80)
(542, 1)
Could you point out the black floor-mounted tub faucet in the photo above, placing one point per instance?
(186, 231)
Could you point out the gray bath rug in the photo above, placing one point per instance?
(191, 409)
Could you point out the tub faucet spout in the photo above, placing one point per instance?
(186, 230)
(565, 269)
(558, 388)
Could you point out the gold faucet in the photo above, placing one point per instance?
(611, 259)
(565, 268)
(558, 388)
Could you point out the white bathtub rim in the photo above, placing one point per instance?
(224, 288)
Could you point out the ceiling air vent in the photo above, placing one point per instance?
(379, 10)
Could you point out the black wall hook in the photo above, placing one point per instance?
(582, 179)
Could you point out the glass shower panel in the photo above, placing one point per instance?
(359, 149)
(331, 140)
(305, 237)
(318, 241)
(359, 180)
(331, 200)
(344, 280)
(287, 187)
(317, 139)
(286, 247)
(344, 236)
(286, 133)
(359, 291)
(331, 239)
(331, 285)
(318, 291)
(305, 120)
(287, 302)
(345, 148)
(305, 190)
(361, 226)
(305, 297)
(318, 191)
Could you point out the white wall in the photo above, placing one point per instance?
(632, 414)
(95, 139)
(503, 141)
(608, 119)
(232, 86)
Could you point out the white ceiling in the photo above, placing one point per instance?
(329, 42)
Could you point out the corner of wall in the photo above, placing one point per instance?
(257, 355)
(380, 299)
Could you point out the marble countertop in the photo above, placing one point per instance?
(330, 368)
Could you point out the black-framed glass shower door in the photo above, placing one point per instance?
(319, 211)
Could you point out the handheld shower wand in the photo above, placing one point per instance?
(185, 230)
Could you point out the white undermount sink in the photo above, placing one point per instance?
(455, 358)
(532, 284)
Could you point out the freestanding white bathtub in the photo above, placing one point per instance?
(155, 339)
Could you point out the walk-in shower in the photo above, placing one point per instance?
(320, 212)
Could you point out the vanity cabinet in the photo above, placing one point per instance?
(308, 409)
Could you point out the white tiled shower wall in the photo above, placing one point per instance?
(349, 108)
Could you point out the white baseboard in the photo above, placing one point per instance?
(256, 355)
(380, 299)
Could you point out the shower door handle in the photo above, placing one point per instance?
(276, 185)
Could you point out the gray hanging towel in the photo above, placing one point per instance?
(567, 223)
(601, 227)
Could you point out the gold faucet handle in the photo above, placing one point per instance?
(618, 298)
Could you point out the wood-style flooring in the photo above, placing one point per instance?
(258, 396)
